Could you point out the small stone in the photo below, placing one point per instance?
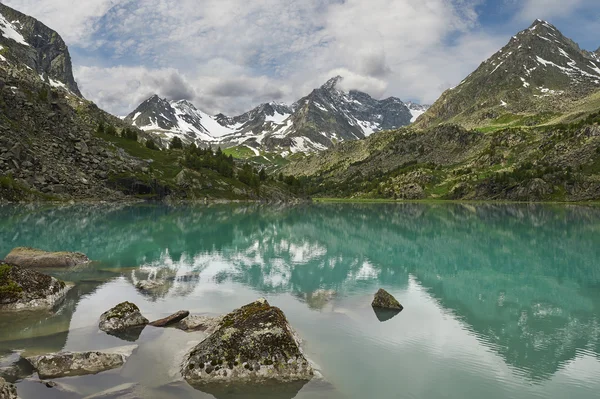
(385, 300)
(174, 318)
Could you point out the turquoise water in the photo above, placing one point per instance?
(501, 301)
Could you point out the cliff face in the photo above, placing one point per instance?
(41, 48)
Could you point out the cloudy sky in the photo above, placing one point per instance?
(230, 55)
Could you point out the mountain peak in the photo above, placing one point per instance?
(332, 83)
(539, 68)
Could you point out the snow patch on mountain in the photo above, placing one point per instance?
(9, 31)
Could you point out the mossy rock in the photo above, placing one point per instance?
(385, 300)
(252, 344)
(124, 320)
(27, 289)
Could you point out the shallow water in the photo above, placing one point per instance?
(501, 301)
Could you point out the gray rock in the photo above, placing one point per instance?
(121, 318)
(174, 318)
(37, 258)
(385, 300)
(67, 364)
(206, 324)
(24, 289)
(252, 344)
(7, 390)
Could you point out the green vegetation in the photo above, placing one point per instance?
(198, 158)
(151, 145)
(8, 288)
(240, 152)
(176, 143)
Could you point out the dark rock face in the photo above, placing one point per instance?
(37, 258)
(124, 321)
(252, 344)
(385, 300)
(7, 390)
(22, 289)
(47, 53)
(66, 364)
(170, 320)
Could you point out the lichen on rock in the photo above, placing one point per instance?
(124, 320)
(254, 343)
(65, 364)
(22, 289)
(39, 259)
(385, 300)
(7, 390)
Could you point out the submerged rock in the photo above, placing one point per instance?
(150, 285)
(252, 344)
(174, 318)
(206, 324)
(14, 368)
(120, 391)
(385, 300)
(7, 390)
(66, 364)
(124, 320)
(24, 289)
(37, 258)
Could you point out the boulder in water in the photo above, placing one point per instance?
(24, 289)
(385, 300)
(38, 259)
(67, 364)
(253, 344)
(122, 317)
(174, 318)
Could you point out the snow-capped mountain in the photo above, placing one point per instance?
(167, 119)
(315, 122)
(539, 69)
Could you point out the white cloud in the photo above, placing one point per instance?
(228, 55)
(548, 9)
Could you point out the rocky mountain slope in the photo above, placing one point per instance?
(535, 106)
(55, 145)
(539, 72)
(324, 117)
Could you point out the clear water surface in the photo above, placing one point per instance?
(501, 301)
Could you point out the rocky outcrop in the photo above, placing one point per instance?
(42, 49)
(252, 344)
(68, 364)
(170, 320)
(385, 300)
(23, 289)
(7, 390)
(40, 259)
(124, 320)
